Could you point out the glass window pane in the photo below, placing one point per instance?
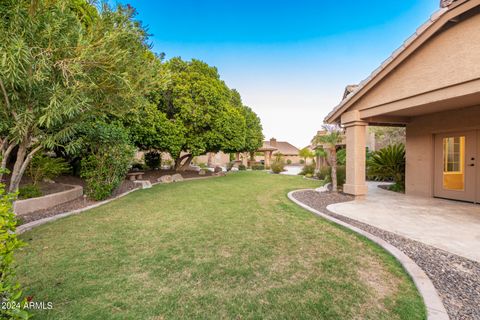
(454, 163)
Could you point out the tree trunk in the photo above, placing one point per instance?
(186, 164)
(15, 178)
(334, 169)
(178, 161)
(5, 157)
(21, 165)
(252, 156)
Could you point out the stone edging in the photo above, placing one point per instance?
(29, 226)
(433, 303)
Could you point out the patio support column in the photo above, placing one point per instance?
(356, 146)
(268, 156)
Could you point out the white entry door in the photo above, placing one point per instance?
(456, 171)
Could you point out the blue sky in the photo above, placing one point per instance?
(290, 60)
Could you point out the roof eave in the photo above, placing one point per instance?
(436, 22)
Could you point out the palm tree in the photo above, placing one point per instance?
(331, 136)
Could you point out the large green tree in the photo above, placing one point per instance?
(62, 61)
(197, 99)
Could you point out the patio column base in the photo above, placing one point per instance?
(355, 189)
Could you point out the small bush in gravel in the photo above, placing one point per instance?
(278, 164)
(308, 169)
(388, 164)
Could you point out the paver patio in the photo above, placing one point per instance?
(449, 225)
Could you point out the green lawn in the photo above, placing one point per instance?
(231, 247)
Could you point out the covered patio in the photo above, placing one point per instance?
(431, 86)
(452, 226)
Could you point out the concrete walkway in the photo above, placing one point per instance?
(449, 225)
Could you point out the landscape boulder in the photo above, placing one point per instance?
(143, 184)
(202, 172)
(325, 188)
(177, 177)
(165, 179)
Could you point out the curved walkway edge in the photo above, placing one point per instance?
(29, 226)
(433, 303)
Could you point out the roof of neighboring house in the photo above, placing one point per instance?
(282, 147)
(266, 147)
(421, 35)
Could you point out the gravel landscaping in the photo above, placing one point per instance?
(456, 279)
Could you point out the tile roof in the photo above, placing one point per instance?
(282, 147)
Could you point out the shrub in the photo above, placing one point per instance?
(153, 159)
(342, 157)
(323, 173)
(302, 161)
(108, 157)
(388, 164)
(9, 289)
(44, 167)
(289, 161)
(258, 167)
(341, 175)
(308, 169)
(278, 164)
(105, 170)
(138, 166)
(203, 165)
(29, 191)
(242, 167)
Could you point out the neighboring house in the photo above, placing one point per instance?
(430, 85)
(213, 159)
(288, 151)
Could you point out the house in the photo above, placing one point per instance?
(430, 85)
(289, 151)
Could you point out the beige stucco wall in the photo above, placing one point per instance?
(420, 145)
(449, 58)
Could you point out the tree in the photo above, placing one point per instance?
(62, 62)
(196, 99)
(385, 136)
(332, 137)
(306, 153)
(254, 132)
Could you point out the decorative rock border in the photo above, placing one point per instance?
(50, 200)
(435, 308)
(28, 226)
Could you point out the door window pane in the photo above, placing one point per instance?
(454, 163)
